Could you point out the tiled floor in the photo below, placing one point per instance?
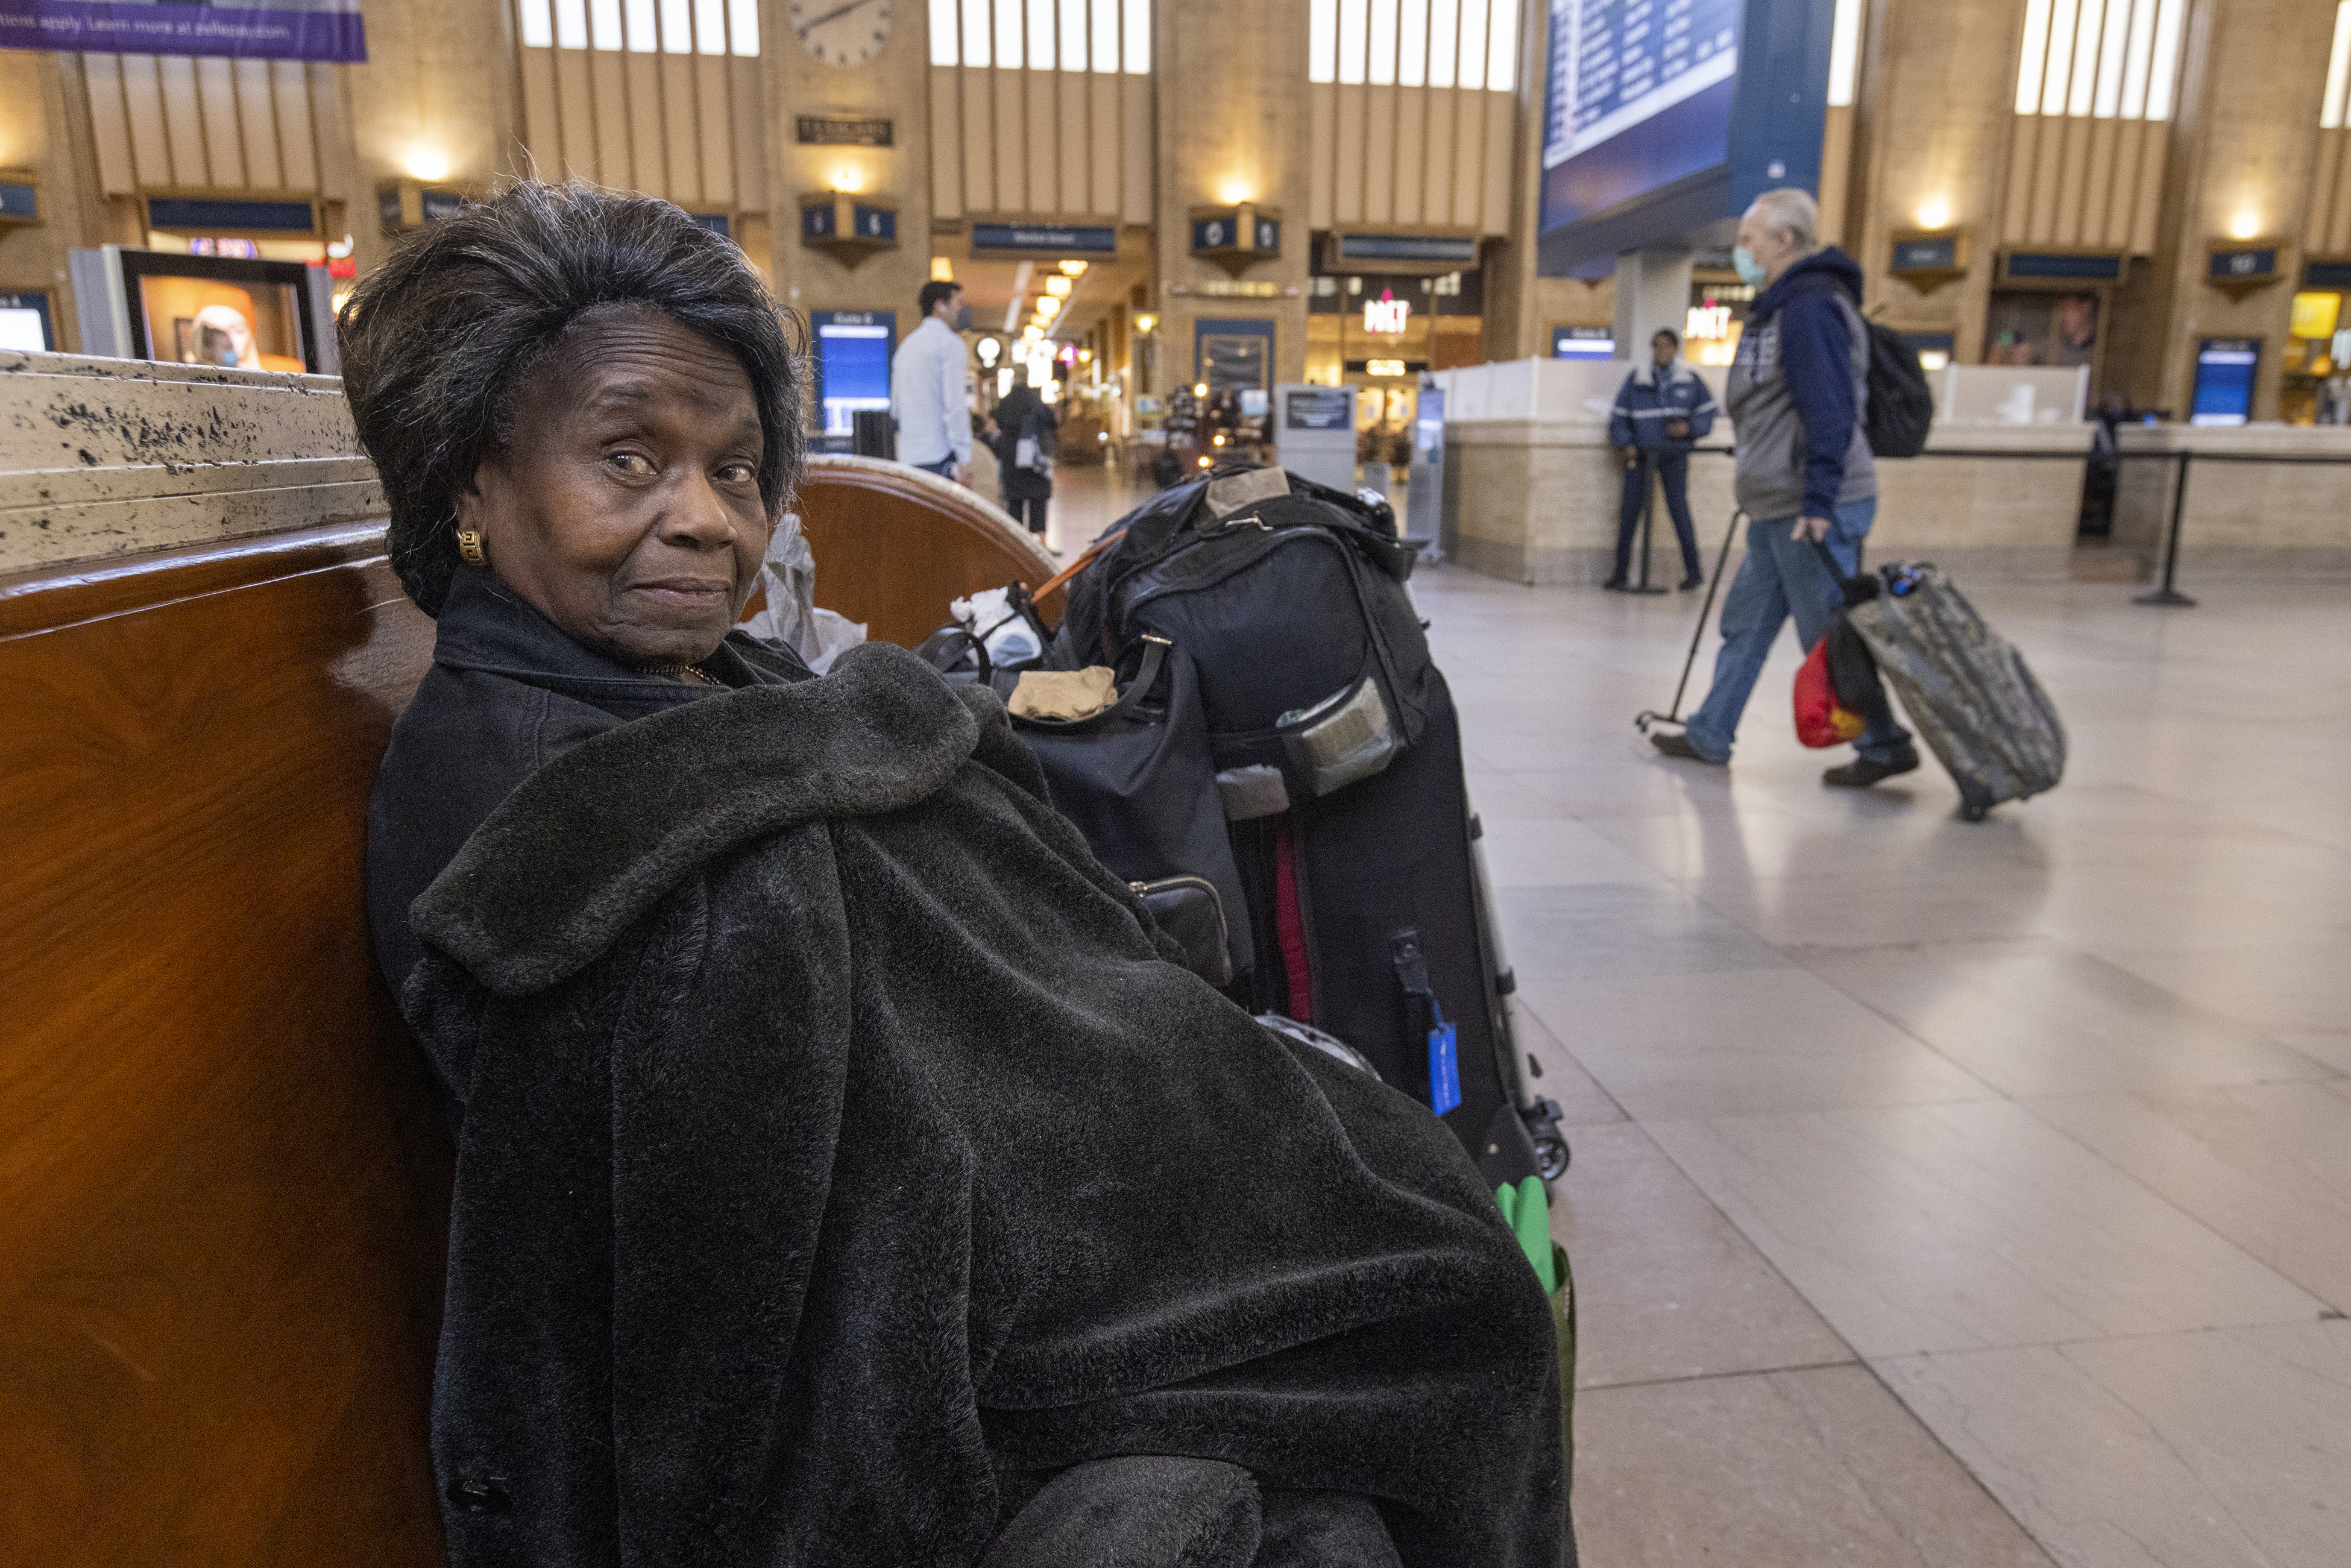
(1944, 1194)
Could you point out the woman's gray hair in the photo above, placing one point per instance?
(437, 340)
(1793, 213)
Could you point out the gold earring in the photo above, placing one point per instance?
(469, 547)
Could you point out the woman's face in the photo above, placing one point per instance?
(626, 509)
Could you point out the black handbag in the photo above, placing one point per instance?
(1137, 780)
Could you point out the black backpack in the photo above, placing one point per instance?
(1900, 407)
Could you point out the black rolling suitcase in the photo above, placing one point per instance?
(1339, 763)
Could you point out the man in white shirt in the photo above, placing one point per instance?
(927, 387)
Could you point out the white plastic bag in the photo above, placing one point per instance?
(792, 617)
(1003, 631)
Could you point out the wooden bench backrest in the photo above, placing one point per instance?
(221, 1254)
(894, 545)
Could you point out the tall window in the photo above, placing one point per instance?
(1415, 43)
(644, 27)
(1104, 37)
(2338, 71)
(2107, 59)
(1844, 52)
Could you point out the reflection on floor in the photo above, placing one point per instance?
(1944, 1194)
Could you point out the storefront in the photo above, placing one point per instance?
(2315, 386)
(1380, 330)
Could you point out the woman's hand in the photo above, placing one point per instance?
(1810, 528)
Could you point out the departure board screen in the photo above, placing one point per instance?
(1638, 97)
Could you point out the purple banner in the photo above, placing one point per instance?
(321, 30)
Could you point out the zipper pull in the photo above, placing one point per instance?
(1251, 521)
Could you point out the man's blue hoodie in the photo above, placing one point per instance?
(1798, 393)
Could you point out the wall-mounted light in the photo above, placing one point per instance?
(942, 269)
(1145, 324)
(1935, 213)
(848, 181)
(989, 351)
(2246, 224)
(1200, 388)
(1233, 192)
(426, 164)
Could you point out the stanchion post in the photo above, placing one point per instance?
(2167, 594)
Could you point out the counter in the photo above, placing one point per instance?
(2258, 506)
(1531, 489)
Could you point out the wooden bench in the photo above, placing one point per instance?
(226, 1182)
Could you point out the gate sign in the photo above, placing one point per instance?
(272, 30)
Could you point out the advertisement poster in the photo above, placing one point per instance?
(273, 30)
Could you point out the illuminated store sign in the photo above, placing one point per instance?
(1385, 315)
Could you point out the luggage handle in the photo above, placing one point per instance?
(1859, 589)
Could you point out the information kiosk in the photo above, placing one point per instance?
(1314, 433)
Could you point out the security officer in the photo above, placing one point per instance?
(1660, 414)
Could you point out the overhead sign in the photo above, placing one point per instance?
(274, 30)
(819, 131)
(1083, 239)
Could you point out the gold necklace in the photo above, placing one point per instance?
(704, 676)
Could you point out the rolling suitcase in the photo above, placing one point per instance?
(1339, 762)
(1967, 691)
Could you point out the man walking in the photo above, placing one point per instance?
(926, 386)
(1660, 414)
(1798, 389)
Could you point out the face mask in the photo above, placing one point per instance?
(963, 318)
(1750, 270)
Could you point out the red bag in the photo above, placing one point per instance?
(1821, 719)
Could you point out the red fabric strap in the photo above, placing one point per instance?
(1289, 922)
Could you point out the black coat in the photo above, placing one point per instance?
(839, 1161)
(1023, 413)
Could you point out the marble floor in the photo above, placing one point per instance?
(1945, 1195)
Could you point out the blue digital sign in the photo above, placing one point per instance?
(2224, 381)
(852, 362)
(1663, 117)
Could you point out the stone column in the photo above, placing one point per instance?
(893, 86)
(1652, 290)
(1232, 123)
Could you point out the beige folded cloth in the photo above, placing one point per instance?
(1064, 694)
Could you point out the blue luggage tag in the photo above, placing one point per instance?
(1444, 1064)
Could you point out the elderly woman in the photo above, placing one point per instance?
(843, 1175)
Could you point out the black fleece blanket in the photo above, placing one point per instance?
(840, 1160)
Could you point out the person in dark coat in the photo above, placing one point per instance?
(846, 1174)
(1023, 416)
(1662, 412)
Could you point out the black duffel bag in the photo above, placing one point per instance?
(1313, 669)
(1137, 780)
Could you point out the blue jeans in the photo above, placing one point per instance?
(1779, 576)
(945, 467)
